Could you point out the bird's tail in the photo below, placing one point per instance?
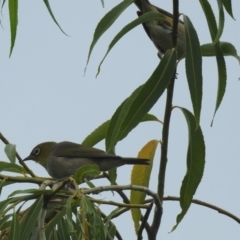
(137, 161)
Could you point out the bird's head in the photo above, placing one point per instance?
(41, 152)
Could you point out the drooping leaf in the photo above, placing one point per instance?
(10, 150)
(52, 15)
(106, 22)
(15, 228)
(141, 176)
(137, 105)
(143, 18)
(227, 49)
(90, 170)
(193, 67)
(228, 6)
(11, 167)
(100, 132)
(195, 165)
(13, 15)
(29, 220)
(222, 73)
(220, 21)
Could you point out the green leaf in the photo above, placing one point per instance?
(90, 170)
(13, 15)
(3, 220)
(193, 67)
(212, 25)
(97, 135)
(109, 227)
(2, 184)
(63, 230)
(141, 176)
(222, 73)
(228, 6)
(11, 167)
(137, 105)
(106, 22)
(15, 228)
(221, 22)
(51, 14)
(69, 214)
(30, 219)
(222, 78)
(5, 203)
(55, 220)
(31, 191)
(100, 132)
(10, 150)
(195, 165)
(227, 49)
(143, 18)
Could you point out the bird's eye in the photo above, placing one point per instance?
(36, 151)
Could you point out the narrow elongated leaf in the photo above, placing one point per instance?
(136, 106)
(109, 227)
(228, 6)
(5, 203)
(143, 18)
(4, 220)
(63, 230)
(195, 165)
(51, 224)
(69, 214)
(141, 176)
(220, 21)
(51, 14)
(227, 49)
(106, 22)
(2, 183)
(30, 219)
(30, 191)
(222, 78)
(90, 170)
(193, 67)
(13, 15)
(11, 167)
(10, 150)
(222, 75)
(15, 228)
(100, 132)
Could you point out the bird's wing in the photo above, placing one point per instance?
(74, 150)
(144, 25)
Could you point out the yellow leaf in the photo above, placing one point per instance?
(141, 176)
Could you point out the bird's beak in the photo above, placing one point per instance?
(28, 158)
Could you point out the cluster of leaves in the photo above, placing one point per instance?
(58, 213)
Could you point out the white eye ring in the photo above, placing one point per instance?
(36, 151)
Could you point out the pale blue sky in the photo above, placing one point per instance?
(44, 97)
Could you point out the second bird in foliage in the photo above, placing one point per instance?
(160, 31)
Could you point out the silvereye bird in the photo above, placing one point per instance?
(160, 31)
(63, 159)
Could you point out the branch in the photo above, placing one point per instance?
(208, 205)
(122, 205)
(168, 111)
(4, 140)
(37, 180)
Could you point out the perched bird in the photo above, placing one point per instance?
(160, 31)
(63, 159)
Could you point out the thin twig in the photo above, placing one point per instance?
(4, 140)
(205, 204)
